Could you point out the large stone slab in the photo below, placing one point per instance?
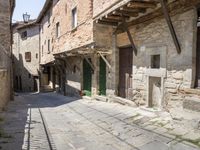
(192, 103)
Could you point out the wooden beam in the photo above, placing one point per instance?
(105, 60)
(126, 13)
(136, 10)
(114, 17)
(107, 23)
(90, 63)
(111, 20)
(129, 36)
(144, 4)
(170, 25)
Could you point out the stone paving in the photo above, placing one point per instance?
(81, 124)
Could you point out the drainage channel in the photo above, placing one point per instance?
(48, 135)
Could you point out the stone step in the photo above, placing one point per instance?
(122, 101)
(101, 98)
(192, 103)
(46, 88)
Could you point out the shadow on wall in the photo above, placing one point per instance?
(24, 80)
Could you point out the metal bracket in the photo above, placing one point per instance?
(125, 27)
(105, 60)
(170, 25)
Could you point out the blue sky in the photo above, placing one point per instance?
(32, 7)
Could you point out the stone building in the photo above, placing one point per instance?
(26, 56)
(6, 11)
(155, 52)
(70, 47)
(142, 53)
(48, 71)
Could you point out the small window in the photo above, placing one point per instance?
(74, 69)
(28, 56)
(155, 61)
(24, 35)
(36, 55)
(29, 75)
(57, 29)
(74, 18)
(49, 46)
(49, 16)
(42, 50)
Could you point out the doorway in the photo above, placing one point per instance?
(87, 78)
(197, 83)
(102, 77)
(125, 71)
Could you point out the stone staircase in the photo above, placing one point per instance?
(46, 88)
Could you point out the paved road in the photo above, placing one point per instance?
(51, 121)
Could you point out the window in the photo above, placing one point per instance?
(49, 42)
(48, 15)
(42, 50)
(74, 18)
(57, 29)
(28, 56)
(74, 69)
(36, 56)
(155, 61)
(29, 75)
(24, 35)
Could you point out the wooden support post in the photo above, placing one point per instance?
(170, 25)
(129, 36)
(107, 63)
(91, 65)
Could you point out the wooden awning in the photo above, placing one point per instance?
(127, 12)
(128, 9)
(88, 49)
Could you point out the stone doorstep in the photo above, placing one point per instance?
(192, 103)
(123, 101)
(101, 98)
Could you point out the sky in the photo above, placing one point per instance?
(32, 7)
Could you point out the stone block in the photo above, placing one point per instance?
(177, 75)
(192, 103)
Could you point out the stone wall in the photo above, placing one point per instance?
(73, 76)
(6, 9)
(27, 70)
(72, 38)
(101, 5)
(154, 35)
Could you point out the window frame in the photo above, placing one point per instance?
(74, 18)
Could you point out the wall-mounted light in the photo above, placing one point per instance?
(26, 17)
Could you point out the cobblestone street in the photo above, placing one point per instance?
(51, 121)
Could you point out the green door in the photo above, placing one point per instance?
(102, 77)
(87, 78)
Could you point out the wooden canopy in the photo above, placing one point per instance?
(130, 10)
(127, 12)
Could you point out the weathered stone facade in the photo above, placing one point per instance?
(152, 37)
(26, 69)
(6, 11)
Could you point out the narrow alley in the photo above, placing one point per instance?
(50, 121)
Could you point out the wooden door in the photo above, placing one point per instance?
(102, 77)
(87, 78)
(198, 59)
(125, 71)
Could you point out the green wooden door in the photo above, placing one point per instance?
(102, 77)
(87, 78)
